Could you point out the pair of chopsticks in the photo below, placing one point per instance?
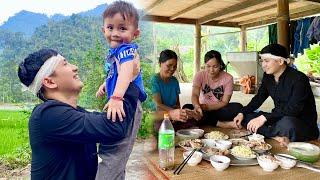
(184, 162)
(245, 135)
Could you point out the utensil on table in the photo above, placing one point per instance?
(308, 166)
(303, 162)
(184, 162)
(246, 135)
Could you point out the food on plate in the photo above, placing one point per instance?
(243, 152)
(216, 135)
(259, 145)
(256, 137)
(209, 151)
(236, 133)
(304, 151)
(192, 143)
(239, 142)
(268, 158)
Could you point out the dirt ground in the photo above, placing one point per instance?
(136, 169)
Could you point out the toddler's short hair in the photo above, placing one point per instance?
(127, 10)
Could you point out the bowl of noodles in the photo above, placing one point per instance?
(243, 152)
(216, 135)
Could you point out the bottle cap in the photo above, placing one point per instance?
(166, 115)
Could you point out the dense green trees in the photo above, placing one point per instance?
(80, 40)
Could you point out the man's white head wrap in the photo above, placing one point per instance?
(46, 70)
(274, 57)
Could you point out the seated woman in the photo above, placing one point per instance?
(166, 90)
(211, 93)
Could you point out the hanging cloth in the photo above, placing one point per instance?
(272, 29)
(313, 33)
(292, 28)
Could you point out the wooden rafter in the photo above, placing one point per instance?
(316, 2)
(176, 15)
(293, 16)
(231, 9)
(248, 13)
(186, 21)
(153, 5)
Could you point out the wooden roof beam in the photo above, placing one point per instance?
(252, 12)
(231, 9)
(176, 15)
(153, 5)
(185, 21)
(293, 15)
(248, 13)
(315, 2)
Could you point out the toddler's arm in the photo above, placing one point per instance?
(115, 104)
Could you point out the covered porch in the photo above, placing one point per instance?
(242, 14)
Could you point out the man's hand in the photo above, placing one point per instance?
(101, 91)
(238, 119)
(198, 112)
(178, 115)
(115, 107)
(256, 123)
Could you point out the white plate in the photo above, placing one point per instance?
(244, 158)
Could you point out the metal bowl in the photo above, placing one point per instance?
(185, 134)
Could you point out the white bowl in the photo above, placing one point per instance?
(223, 144)
(256, 137)
(286, 163)
(195, 158)
(209, 142)
(267, 164)
(219, 162)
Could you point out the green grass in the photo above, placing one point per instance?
(13, 130)
(14, 137)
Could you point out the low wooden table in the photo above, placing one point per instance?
(204, 169)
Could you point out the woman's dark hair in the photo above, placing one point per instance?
(167, 54)
(214, 54)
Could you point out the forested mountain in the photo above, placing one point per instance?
(75, 37)
(78, 37)
(26, 22)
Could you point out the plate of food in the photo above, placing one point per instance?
(237, 133)
(216, 135)
(238, 142)
(259, 146)
(304, 151)
(191, 144)
(209, 151)
(243, 153)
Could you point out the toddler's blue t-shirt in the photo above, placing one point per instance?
(123, 53)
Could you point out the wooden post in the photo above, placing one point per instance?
(283, 19)
(243, 39)
(197, 44)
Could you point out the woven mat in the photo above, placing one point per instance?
(204, 170)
